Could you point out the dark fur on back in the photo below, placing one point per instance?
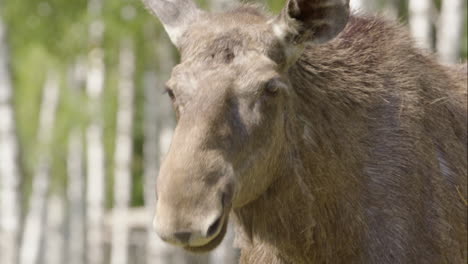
(376, 170)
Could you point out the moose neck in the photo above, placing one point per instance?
(272, 222)
(318, 192)
(362, 179)
(302, 209)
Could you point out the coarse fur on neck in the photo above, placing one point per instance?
(374, 158)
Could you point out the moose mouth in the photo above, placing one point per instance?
(213, 243)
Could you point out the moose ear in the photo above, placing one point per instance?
(175, 15)
(317, 21)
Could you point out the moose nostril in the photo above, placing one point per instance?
(183, 237)
(214, 227)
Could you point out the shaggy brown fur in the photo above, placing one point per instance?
(354, 151)
(378, 151)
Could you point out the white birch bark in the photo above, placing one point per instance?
(363, 6)
(391, 9)
(10, 202)
(95, 189)
(75, 194)
(123, 155)
(450, 30)
(55, 224)
(34, 221)
(420, 22)
(226, 253)
(94, 194)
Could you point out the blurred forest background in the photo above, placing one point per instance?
(84, 123)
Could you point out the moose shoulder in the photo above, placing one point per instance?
(327, 137)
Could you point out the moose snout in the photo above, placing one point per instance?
(196, 221)
(199, 233)
(193, 199)
(196, 224)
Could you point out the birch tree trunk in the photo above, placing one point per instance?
(391, 8)
(95, 191)
(420, 22)
(10, 202)
(364, 6)
(34, 222)
(450, 30)
(123, 155)
(95, 194)
(75, 193)
(55, 238)
(226, 253)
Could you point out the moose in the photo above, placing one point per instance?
(327, 137)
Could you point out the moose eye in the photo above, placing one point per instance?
(272, 87)
(170, 93)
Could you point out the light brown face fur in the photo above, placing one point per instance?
(230, 98)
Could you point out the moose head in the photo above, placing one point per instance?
(231, 94)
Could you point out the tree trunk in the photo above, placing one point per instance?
(34, 222)
(420, 22)
(95, 192)
(450, 30)
(75, 193)
(95, 189)
(10, 201)
(226, 253)
(364, 6)
(391, 9)
(55, 238)
(123, 155)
